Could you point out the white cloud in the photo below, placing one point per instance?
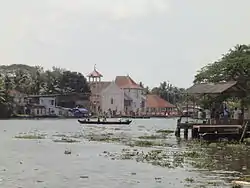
(114, 9)
(129, 9)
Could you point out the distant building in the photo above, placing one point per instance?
(96, 86)
(123, 96)
(56, 104)
(155, 105)
(37, 110)
(112, 99)
(134, 99)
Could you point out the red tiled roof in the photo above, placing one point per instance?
(95, 74)
(126, 82)
(154, 101)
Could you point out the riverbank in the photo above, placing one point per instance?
(73, 117)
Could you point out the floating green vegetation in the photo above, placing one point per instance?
(165, 131)
(60, 135)
(148, 143)
(244, 178)
(107, 137)
(104, 138)
(153, 137)
(75, 135)
(142, 143)
(235, 185)
(190, 180)
(218, 156)
(31, 137)
(154, 157)
(66, 140)
(192, 154)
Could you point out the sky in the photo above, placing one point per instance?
(150, 40)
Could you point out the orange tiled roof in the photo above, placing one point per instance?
(126, 82)
(154, 101)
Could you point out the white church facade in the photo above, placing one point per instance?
(122, 96)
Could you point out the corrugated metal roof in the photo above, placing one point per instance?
(210, 88)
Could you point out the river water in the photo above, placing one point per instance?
(42, 163)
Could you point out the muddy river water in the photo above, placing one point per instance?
(65, 154)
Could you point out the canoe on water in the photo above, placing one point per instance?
(105, 122)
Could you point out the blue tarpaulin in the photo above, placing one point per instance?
(79, 111)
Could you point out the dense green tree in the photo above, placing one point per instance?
(34, 80)
(73, 82)
(169, 92)
(1, 82)
(233, 66)
(20, 80)
(5, 99)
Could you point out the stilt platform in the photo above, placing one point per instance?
(201, 129)
(212, 132)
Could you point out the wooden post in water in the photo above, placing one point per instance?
(186, 133)
(194, 133)
(178, 132)
(244, 132)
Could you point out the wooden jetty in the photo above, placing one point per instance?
(219, 128)
(212, 131)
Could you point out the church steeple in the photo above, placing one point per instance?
(94, 76)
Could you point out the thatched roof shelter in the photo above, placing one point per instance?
(209, 88)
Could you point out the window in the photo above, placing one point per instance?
(142, 104)
(112, 101)
(52, 102)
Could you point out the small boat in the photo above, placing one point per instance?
(127, 122)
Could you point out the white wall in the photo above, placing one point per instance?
(38, 111)
(136, 95)
(46, 102)
(115, 93)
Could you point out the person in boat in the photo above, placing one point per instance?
(104, 119)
